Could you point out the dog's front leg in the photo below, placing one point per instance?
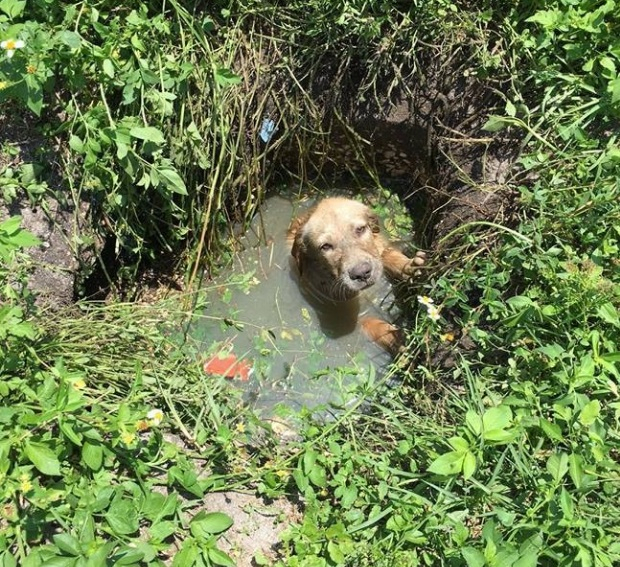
(399, 266)
(383, 334)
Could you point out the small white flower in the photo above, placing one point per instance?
(10, 45)
(433, 312)
(425, 300)
(155, 416)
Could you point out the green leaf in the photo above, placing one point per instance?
(611, 357)
(43, 458)
(547, 18)
(473, 557)
(567, 505)
(13, 237)
(122, 516)
(348, 496)
(553, 351)
(499, 417)
(13, 8)
(70, 39)
(469, 465)
(551, 429)
(318, 476)
(188, 554)
(528, 558)
(218, 557)
(590, 412)
(614, 87)
(557, 465)
(24, 239)
(187, 478)
(520, 301)
(608, 313)
(459, 444)
(76, 144)
(10, 225)
(335, 553)
(7, 559)
(128, 556)
(474, 422)
(173, 181)
(29, 173)
(301, 480)
(575, 469)
(447, 464)
(101, 556)
(148, 133)
(495, 424)
(511, 109)
(108, 68)
(206, 524)
(160, 531)
(92, 454)
(68, 544)
(70, 433)
(33, 94)
(528, 552)
(225, 77)
(495, 124)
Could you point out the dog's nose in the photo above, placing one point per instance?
(361, 272)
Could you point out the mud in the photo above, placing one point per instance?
(299, 356)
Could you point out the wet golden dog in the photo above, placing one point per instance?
(339, 251)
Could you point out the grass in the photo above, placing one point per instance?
(501, 444)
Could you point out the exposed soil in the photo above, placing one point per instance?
(257, 526)
(56, 225)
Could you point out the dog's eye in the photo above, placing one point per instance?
(326, 247)
(361, 229)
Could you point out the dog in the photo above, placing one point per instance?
(338, 251)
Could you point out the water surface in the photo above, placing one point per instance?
(258, 313)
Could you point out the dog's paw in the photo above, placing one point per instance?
(413, 267)
(383, 334)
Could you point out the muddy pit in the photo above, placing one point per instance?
(257, 313)
(282, 350)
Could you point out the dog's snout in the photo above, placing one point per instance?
(361, 271)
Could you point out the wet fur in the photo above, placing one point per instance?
(339, 251)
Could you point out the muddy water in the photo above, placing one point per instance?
(257, 314)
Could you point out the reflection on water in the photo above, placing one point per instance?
(300, 356)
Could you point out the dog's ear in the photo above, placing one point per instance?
(295, 234)
(297, 224)
(297, 251)
(373, 222)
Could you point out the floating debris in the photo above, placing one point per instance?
(228, 366)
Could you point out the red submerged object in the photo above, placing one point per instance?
(228, 366)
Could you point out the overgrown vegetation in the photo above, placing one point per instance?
(509, 455)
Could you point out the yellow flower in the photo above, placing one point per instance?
(155, 417)
(79, 384)
(142, 425)
(240, 427)
(31, 69)
(24, 483)
(425, 300)
(127, 437)
(3, 85)
(447, 337)
(282, 474)
(10, 45)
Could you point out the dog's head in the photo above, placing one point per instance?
(336, 248)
